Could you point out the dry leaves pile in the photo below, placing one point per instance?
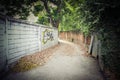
(31, 61)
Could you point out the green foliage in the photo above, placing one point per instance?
(76, 17)
(98, 16)
(108, 26)
(87, 16)
(37, 8)
(51, 10)
(43, 20)
(16, 7)
(69, 6)
(110, 51)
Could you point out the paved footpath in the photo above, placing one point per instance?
(67, 63)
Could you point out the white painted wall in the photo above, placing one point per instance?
(19, 38)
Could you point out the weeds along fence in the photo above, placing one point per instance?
(19, 38)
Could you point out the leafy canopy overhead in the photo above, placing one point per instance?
(82, 15)
(15, 7)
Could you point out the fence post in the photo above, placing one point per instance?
(6, 41)
(91, 44)
(39, 38)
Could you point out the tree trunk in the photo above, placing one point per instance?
(54, 23)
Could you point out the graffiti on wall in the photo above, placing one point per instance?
(47, 36)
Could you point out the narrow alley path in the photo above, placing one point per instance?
(67, 63)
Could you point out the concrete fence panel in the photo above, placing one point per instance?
(22, 39)
(2, 44)
(19, 38)
(49, 37)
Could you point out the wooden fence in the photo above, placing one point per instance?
(19, 38)
(92, 44)
(95, 49)
(76, 37)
